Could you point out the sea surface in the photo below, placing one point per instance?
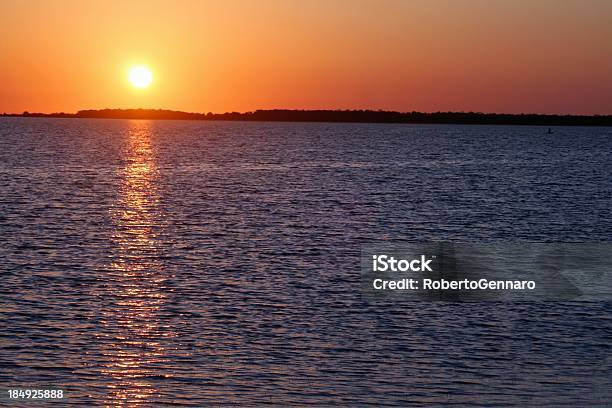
(217, 263)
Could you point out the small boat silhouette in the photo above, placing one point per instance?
(550, 132)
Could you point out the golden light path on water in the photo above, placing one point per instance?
(136, 294)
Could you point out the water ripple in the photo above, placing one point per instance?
(181, 263)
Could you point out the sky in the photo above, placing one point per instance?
(537, 56)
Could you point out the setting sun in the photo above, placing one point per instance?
(140, 76)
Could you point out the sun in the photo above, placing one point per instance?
(140, 76)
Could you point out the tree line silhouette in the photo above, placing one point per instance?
(360, 116)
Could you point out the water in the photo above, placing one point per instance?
(201, 263)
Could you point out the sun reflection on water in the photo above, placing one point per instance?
(136, 288)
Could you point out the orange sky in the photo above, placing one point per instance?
(494, 56)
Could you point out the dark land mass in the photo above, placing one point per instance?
(364, 116)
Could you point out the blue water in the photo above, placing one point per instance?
(213, 263)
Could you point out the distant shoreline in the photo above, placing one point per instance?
(339, 116)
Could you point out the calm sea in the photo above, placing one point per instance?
(211, 263)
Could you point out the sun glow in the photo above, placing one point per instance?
(140, 76)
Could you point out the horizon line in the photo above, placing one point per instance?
(26, 112)
(337, 116)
